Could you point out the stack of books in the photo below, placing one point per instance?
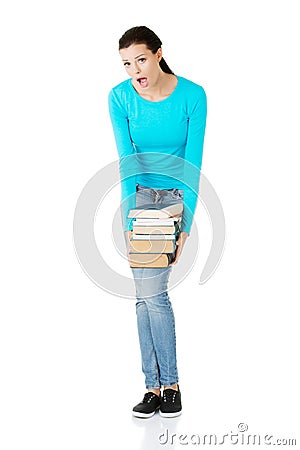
(155, 232)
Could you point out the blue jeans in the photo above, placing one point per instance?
(155, 317)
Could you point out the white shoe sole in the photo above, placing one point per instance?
(142, 415)
(175, 414)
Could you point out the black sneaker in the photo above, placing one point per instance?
(147, 407)
(170, 404)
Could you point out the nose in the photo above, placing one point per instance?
(136, 68)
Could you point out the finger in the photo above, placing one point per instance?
(173, 262)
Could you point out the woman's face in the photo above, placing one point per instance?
(142, 65)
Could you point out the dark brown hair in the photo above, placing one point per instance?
(143, 35)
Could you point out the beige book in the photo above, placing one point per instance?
(150, 260)
(148, 246)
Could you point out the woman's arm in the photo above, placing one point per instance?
(127, 165)
(193, 157)
(192, 167)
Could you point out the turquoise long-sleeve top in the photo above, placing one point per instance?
(160, 144)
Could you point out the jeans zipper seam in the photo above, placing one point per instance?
(156, 195)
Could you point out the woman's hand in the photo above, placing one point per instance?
(180, 243)
(128, 236)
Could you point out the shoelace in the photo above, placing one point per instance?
(169, 395)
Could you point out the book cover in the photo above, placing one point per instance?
(152, 237)
(155, 229)
(150, 260)
(148, 221)
(156, 211)
(147, 246)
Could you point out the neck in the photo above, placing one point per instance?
(163, 87)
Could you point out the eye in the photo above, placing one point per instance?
(142, 60)
(127, 64)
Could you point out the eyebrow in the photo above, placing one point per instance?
(136, 56)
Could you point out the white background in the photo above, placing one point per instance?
(70, 358)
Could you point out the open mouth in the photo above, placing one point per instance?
(143, 82)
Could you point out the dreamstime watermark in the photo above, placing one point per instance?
(239, 437)
(99, 186)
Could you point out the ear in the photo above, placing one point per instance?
(159, 54)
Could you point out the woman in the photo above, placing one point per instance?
(157, 117)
